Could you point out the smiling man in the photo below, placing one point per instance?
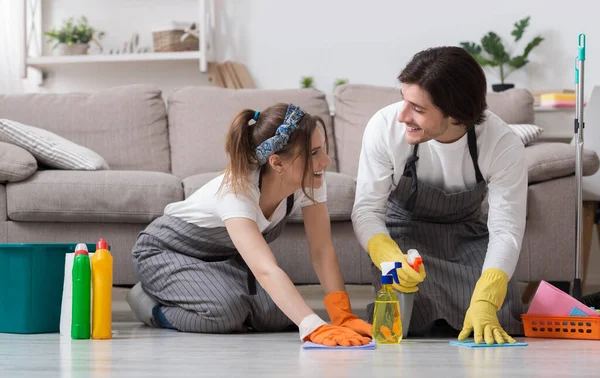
(426, 165)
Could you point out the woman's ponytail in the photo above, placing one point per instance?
(239, 149)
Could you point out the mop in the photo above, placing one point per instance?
(591, 300)
(579, 125)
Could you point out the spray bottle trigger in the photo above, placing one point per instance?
(394, 272)
(389, 269)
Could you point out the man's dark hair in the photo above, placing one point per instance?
(454, 80)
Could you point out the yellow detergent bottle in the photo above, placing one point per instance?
(387, 321)
(102, 279)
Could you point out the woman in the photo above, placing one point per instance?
(198, 264)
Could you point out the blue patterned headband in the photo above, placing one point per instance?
(281, 137)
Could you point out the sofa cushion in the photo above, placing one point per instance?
(195, 182)
(94, 196)
(16, 164)
(340, 197)
(3, 216)
(199, 118)
(549, 160)
(50, 149)
(512, 106)
(526, 132)
(126, 125)
(355, 104)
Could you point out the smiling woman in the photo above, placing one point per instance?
(206, 266)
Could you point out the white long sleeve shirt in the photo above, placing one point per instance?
(447, 166)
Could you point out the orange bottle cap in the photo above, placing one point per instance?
(102, 244)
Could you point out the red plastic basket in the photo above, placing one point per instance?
(562, 327)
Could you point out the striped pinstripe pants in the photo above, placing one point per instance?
(201, 281)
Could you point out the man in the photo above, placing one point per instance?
(426, 165)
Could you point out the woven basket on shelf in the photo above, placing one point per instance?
(170, 40)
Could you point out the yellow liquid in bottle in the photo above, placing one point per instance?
(387, 324)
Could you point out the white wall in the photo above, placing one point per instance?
(365, 42)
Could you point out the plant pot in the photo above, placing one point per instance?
(502, 87)
(75, 49)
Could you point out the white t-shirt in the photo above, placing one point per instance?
(208, 209)
(447, 166)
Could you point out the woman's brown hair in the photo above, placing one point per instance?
(243, 138)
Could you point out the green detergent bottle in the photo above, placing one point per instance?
(82, 278)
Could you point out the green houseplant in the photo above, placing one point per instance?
(339, 82)
(73, 38)
(493, 53)
(307, 82)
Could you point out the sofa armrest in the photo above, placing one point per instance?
(551, 160)
(3, 211)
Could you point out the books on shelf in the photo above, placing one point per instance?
(554, 98)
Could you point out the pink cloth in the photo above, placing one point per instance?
(549, 300)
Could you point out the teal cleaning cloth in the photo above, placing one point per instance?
(311, 345)
(471, 344)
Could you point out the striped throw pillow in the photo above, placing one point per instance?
(528, 133)
(50, 149)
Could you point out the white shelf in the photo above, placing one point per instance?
(49, 61)
(565, 109)
(32, 33)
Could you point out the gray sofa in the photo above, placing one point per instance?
(161, 149)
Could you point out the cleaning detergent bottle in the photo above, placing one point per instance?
(407, 299)
(102, 280)
(387, 322)
(80, 313)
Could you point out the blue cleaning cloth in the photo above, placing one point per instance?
(471, 344)
(311, 345)
(577, 312)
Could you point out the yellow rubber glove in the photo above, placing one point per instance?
(487, 299)
(382, 248)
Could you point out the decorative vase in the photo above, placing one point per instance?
(502, 87)
(75, 49)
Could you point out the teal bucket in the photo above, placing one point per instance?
(31, 286)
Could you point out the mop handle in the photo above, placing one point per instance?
(579, 125)
(580, 77)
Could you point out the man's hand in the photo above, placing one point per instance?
(487, 299)
(382, 248)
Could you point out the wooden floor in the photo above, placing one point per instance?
(140, 351)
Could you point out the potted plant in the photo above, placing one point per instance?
(73, 38)
(307, 82)
(339, 82)
(493, 53)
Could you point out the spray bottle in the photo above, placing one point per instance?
(407, 299)
(80, 313)
(387, 322)
(102, 280)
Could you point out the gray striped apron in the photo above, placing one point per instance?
(201, 281)
(450, 232)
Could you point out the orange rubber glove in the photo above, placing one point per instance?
(331, 335)
(340, 313)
